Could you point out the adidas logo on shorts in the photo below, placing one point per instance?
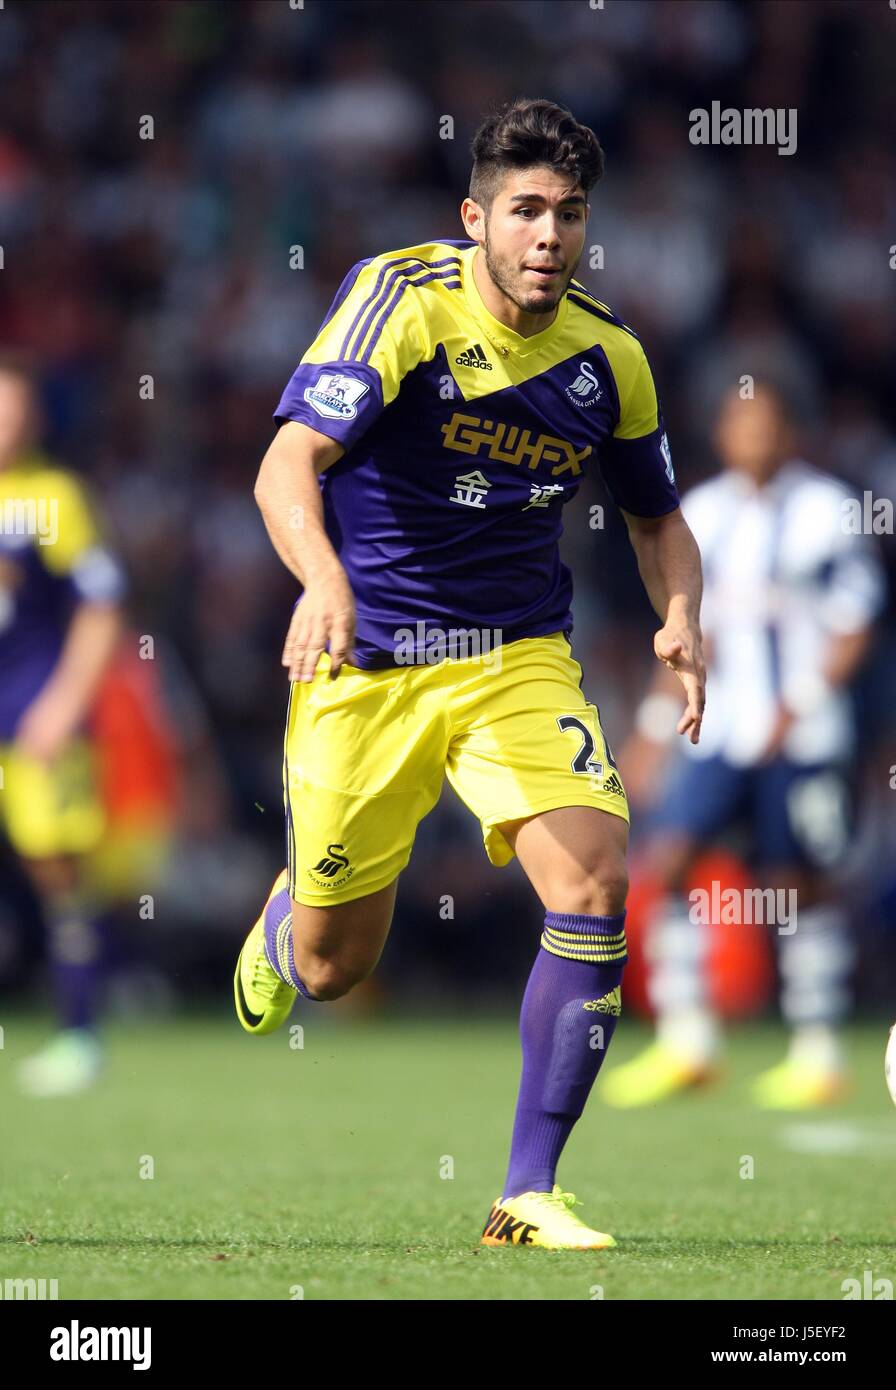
(613, 785)
(474, 357)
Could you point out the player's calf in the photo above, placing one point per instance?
(327, 979)
(318, 952)
(335, 947)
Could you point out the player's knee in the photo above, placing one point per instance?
(612, 887)
(328, 979)
(597, 890)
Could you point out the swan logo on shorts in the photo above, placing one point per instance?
(335, 396)
(332, 863)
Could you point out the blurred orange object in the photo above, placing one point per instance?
(133, 741)
(137, 758)
(740, 960)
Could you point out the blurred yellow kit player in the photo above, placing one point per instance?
(59, 622)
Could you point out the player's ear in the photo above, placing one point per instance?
(473, 218)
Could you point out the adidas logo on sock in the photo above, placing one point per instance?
(474, 357)
(607, 1004)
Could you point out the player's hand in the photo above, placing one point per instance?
(46, 727)
(680, 648)
(324, 613)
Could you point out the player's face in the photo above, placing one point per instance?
(751, 436)
(534, 236)
(15, 416)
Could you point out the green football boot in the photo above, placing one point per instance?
(263, 1001)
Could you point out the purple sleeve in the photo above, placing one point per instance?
(639, 473)
(338, 399)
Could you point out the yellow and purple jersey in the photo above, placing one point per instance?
(52, 558)
(463, 442)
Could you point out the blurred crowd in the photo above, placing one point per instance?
(183, 186)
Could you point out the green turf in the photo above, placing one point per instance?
(320, 1168)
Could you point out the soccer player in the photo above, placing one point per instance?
(792, 590)
(59, 624)
(449, 407)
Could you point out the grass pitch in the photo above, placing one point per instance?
(322, 1172)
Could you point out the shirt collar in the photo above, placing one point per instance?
(503, 338)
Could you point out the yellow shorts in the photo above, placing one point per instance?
(50, 808)
(365, 756)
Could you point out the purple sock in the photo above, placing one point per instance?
(75, 951)
(568, 1016)
(278, 941)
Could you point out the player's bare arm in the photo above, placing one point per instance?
(845, 657)
(64, 702)
(288, 496)
(669, 563)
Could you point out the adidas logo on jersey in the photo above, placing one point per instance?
(474, 357)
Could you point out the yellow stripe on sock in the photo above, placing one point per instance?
(597, 954)
(586, 936)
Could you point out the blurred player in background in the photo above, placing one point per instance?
(60, 622)
(790, 597)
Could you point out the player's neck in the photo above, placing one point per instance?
(761, 478)
(504, 309)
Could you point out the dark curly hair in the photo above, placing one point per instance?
(526, 132)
